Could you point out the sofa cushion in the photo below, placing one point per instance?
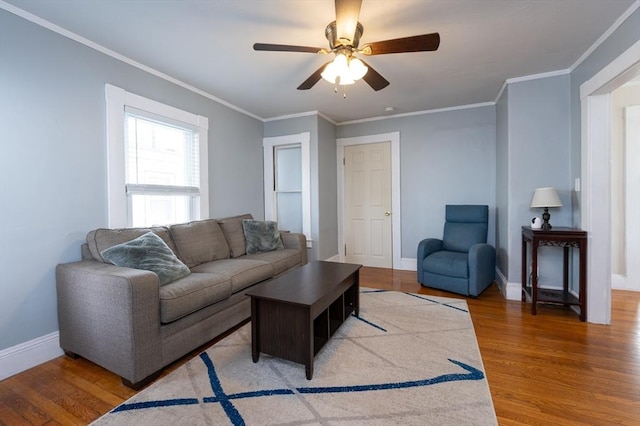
(101, 239)
(199, 242)
(261, 236)
(188, 294)
(280, 259)
(150, 253)
(450, 263)
(234, 233)
(242, 272)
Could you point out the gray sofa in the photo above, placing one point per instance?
(124, 320)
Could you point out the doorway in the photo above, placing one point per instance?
(393, 139)
(595, 199)
(625, 186)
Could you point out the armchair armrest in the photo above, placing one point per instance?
(111, 316)
(425, 248)
(292, 240)
(482, 267)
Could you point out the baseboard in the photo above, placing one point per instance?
(406, 264)
(21, 357)
(511, 291)
(334, 258)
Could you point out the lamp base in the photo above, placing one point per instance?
(545, 217)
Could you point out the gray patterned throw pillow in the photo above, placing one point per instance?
(261, 236)
(150, 253)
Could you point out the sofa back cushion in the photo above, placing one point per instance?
(199, 242)
(234, 233)
(101, 239)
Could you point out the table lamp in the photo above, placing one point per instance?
(546, 197)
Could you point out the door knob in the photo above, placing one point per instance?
(387, 213)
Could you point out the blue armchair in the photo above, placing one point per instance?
(462, 262)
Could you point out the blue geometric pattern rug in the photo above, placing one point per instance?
(407, 359)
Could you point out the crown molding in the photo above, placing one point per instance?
(75, 37)
(410, 114)
(606, 35)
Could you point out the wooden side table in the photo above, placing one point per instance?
(558, 237)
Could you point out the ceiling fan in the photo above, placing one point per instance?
(344, 38)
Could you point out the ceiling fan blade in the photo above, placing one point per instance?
(313, 78)
(419, 43)
(374, 79)
(286, 48)
(347, 13)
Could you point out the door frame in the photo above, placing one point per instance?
(394, 139)
(268, 145)
(595, 199)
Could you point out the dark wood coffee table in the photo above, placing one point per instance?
(294, 315)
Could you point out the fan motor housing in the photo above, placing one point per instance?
(331, 35)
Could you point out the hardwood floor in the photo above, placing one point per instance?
(549, 369)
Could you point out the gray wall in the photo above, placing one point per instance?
(502, 183)
(445, 158)
(539, 135)
(327, 190)
(624, 37)
(53, 162)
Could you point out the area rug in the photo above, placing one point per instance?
(406, 359)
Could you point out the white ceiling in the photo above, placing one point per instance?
(207, 44)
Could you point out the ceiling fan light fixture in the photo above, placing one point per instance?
(344, 71)
(357, 68)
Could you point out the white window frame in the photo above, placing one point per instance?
(270, 205)
(116, 101)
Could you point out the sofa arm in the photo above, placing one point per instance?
(111, 316)
(482, 268)
(292, 240)
(425, 248)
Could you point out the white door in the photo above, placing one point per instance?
(367, 201)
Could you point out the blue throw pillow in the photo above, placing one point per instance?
(148, 252)
(261, 236)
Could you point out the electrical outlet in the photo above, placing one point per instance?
(576, 184)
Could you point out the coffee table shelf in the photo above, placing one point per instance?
(295, 315)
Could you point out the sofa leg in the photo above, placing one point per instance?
(142, 383)
(71, 355)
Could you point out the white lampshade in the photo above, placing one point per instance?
(344, 70)
(546, 197)
(357, 68)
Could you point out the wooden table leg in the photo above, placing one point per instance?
(534, 276)
(255, 337)
(307, 343)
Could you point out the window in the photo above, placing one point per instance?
(288, 182)
(157, 162)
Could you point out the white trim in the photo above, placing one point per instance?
(410, 114)
(394, 138)
(26, 355)
(270, 213)
(116, 101)
(605, 35)
(595, 205)
(510, 290)
(504, 86)
(289, 116)
(600, 82)
(75, 37)
(537, 76)
(408, 264)
(301, 114)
